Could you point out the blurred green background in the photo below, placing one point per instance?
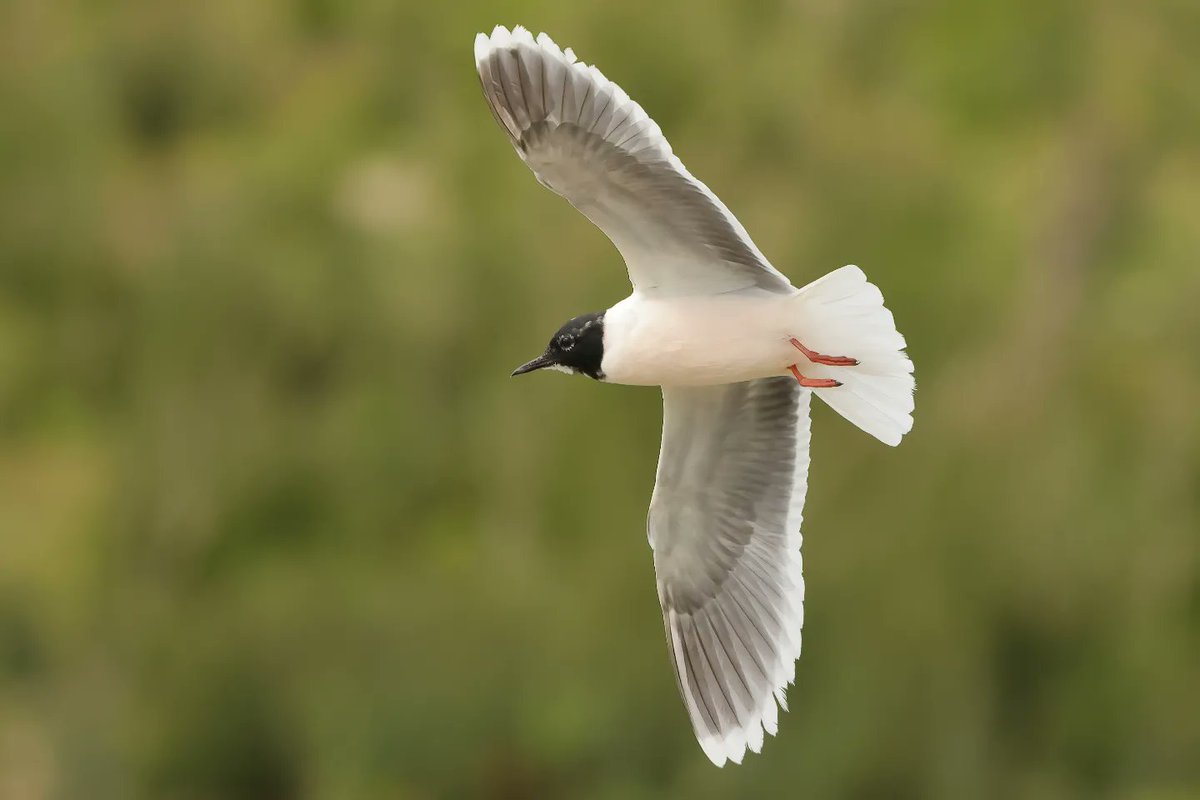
(275, 522)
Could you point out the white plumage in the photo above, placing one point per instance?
(723, 332)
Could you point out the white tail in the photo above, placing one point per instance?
(841, 314)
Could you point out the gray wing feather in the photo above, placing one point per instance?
(725, 527)
(584, 138)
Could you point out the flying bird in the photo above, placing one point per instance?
(738, 351)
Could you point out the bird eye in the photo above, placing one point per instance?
(566, 341)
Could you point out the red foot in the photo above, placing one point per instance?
(813, 383)
(821, 358)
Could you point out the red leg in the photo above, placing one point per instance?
(813, 383)
(821, 358)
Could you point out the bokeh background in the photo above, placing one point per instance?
(275, 522)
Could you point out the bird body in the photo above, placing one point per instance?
(738, 351)
(698, 340)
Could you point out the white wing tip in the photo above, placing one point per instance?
(483, 46)
(546, 43)
(501, 37)
(733, 745)
(714, 748)
(521, 34)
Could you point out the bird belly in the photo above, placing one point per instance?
(697, 341)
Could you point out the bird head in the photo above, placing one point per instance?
(578, 346)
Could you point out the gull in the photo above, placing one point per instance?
(737, 350)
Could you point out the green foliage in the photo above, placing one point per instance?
(274, 521)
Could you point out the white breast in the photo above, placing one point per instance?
(697, 341)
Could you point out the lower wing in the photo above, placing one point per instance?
(724, 524)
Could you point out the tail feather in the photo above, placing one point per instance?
(842, 314)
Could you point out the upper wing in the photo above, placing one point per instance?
(584, 138)
(725, 528)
